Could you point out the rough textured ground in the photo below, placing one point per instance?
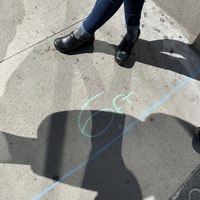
(140, 146)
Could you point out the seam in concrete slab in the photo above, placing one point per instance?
(41, 41)
(104, 148)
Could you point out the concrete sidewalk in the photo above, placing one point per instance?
(51, 127)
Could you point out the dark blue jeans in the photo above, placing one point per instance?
(105, 9)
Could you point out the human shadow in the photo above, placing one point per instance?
(9, 21)
(167, 54)
(63, 143)
(108, 174)
(60, 147)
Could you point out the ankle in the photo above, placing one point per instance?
(81, 33)
(133, 33)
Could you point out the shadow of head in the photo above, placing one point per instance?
(94, 142)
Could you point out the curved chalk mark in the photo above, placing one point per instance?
(125, 98)
(118, 109)
(193, 190)
(98, 134)
(84, 107)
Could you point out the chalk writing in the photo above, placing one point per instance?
(118, 109)
(123, 98)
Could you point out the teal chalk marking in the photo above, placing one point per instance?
(82, 130)
(92, 116)
(84, 107)
(125, 98)
(118, 109)
(104, 148)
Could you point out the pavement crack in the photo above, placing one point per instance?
(23, 50)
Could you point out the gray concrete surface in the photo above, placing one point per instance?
(43, 107)
(186, 12)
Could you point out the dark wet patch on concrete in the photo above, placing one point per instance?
(190, 189)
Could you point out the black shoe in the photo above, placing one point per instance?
(125, 47)
(197, 132)
(69, 43)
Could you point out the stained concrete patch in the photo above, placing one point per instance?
(190, 189)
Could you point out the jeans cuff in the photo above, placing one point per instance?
(83, 30)
(132, 28)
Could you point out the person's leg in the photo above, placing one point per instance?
(105, 9)
(101, 13)
(132, 11)
(84, 35)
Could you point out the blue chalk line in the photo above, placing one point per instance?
(104, 148)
